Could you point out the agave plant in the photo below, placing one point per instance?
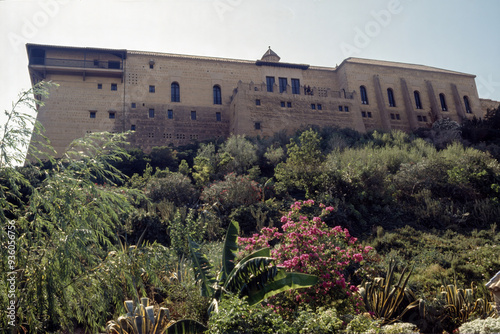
(460, 304)
(385, 301)
(139, 319)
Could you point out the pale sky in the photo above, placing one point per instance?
(457, 35)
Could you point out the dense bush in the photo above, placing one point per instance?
(232, 192)
(481, 326)
(173, 187)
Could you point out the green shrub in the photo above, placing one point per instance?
(481, 326)
(236, 316)
(174, 187)
(400, 327)
(322, 321)
(363, 323)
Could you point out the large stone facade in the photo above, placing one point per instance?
(170, 99)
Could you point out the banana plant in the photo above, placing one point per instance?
(256, 276)
(385, 301)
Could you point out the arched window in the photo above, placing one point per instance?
(390, 96)
(467, 105)
(418, 103)
(175, 92)
(442, 99)
(217, 95)
(364, 96)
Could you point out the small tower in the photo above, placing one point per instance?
(270, 56)
(494, 286)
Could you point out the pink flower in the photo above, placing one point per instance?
(358, 257)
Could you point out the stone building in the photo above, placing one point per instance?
(170, 99)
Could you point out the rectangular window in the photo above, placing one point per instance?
(114, 64)
(397, 117)
(151, 113)
(340, 108)
(270, 84)
(369, 114)
(170, 114)
(320, 107)
(151, 66)
(363, 114)
(111, 114)
(114, 86)
(346, 108)
(193, 115)
(133, 105)
(257, 125)
(289, 104)
(132, 127)
(99, 86)
(393, 116)
(283, 83)
(152, 89)
(92, 114)
(313, 106)
(96, 62)
(282, 104)
(257, 102)
(295, 86)
(218, 116)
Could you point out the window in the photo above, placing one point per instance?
(152, 89)
(283, 83)
(218, 116)
(151, 113)
(175, 94)
(96, 62)
(217, 95)
(114, 64)
(270, 83)
(257, 102)
(92, 114)
(114, 86)
(313, 106)
(282, 104)
(390, 97)
(320, 107)
(295, 86)
(369, 114)
(346, 108)
(398, 117)
(132, 127)
(289, 104)
(257, 125)
(363, 114)
(364, 96)
(151, 65)
(193, 115)
(170, 114)
(133, 105)
(340, 108)
(418, 103)
(442, 99)
(112, 114)
(467, 105)
(99, 86)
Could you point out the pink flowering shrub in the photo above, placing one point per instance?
(310, 246)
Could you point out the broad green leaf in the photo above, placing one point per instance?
(229, 250)
(186, 326)
(202, 268)
(284, 281)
